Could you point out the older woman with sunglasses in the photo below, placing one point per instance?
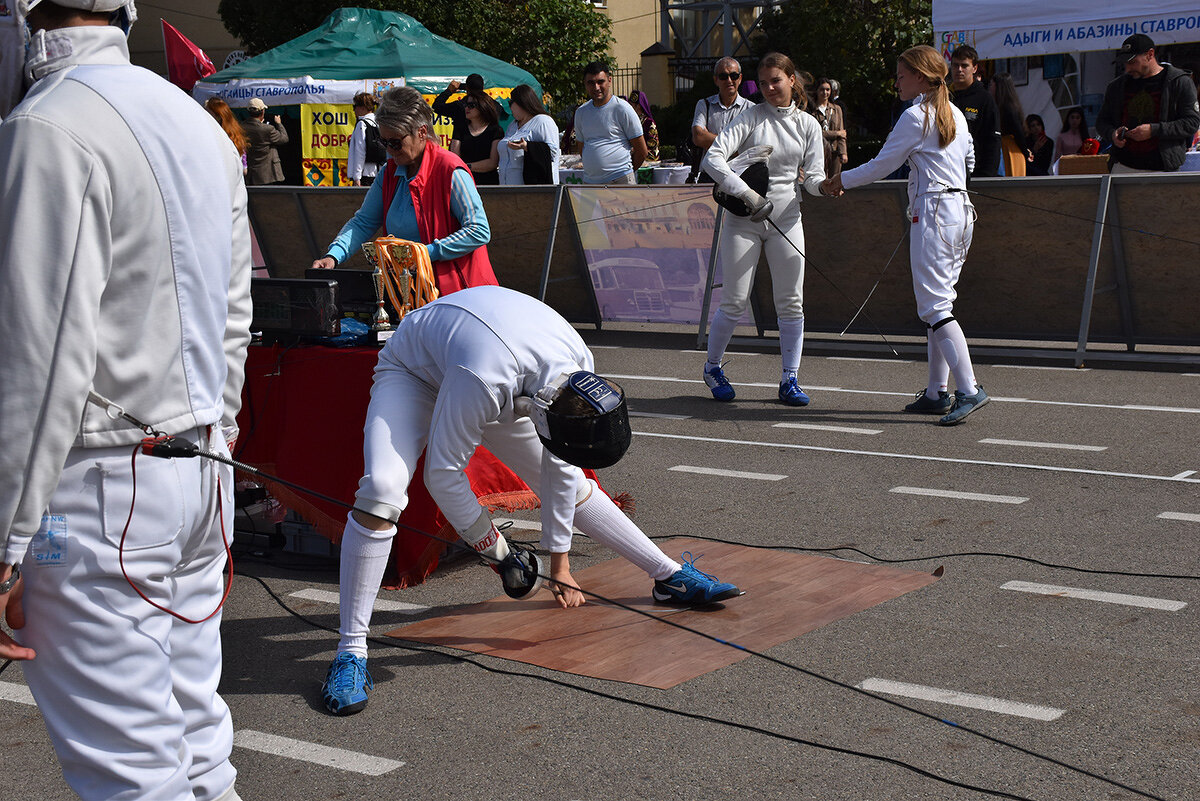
(424, 194)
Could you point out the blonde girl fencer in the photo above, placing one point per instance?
(797, 156)
(931, 135)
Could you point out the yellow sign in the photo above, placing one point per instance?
(326, 130)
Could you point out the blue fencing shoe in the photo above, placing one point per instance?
(520, 571)
(346, 684)
(691, 586)
(923, 404)
(791, 394)
(718, 383)
(964, 405)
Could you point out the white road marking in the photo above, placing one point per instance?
(960, 496)
(915, 456)
(1040, 367)
(311, 752)
(995, 398)
(661, 415)
(956, 698)
(1060, 445)
(817, 427)
(528, 525)
(381, 604)
(1179, 516)
(864, 359)
(17, 693)
(604, 347)
(713, 471)
(1185, 474)
(1095, 595)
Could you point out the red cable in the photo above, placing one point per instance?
(224, 541)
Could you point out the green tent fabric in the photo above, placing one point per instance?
(356, 46)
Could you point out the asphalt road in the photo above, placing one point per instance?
(1095, 469)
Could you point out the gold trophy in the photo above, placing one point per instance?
(379, 320)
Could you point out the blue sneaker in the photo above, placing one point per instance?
(964, 405)
(346, 684)
(718, 383)
(691, 586)
(791, 394)
(923, 404)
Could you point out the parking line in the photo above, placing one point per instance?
(381, 604)
(1184, 474)
(17, 693)
(995, 398)
(1041, 367)
(818, 427)
(714, 471)
(864, 359)
(311, 752)
(1179, 516)
(956, 698)
(961, 496)
(661, 415)
(1060, 445)
(915, 456)
(1095, 595)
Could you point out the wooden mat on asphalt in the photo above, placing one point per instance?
(787, 595)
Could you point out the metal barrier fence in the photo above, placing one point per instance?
(1073, 260)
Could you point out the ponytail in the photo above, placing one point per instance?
(928, 63)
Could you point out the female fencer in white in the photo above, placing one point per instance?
(932, 136)
(797, 156)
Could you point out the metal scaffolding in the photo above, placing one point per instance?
(708, 29)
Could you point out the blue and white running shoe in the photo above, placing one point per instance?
(346, 684)
(691, 586)
(716, 381)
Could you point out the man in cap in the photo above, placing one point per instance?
(263, 166)
(124, 243)
(490, 366)
(1150, 113)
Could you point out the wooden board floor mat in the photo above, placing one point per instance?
(787, 595)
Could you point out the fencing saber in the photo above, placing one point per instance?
(838, 288)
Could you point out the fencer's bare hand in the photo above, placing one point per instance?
(562, 585)
(324, 263)
(13, 614)
(832, 187)
(1138, 134)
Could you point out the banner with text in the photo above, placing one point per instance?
(1108, 34)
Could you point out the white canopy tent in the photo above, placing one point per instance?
(1013, 28)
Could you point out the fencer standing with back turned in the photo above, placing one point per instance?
(932, 136)
(124, 271)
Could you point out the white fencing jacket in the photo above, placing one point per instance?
(124, 266)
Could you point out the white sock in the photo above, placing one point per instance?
(953, 346)
(791, 345)
(719, 334)
(363, 562)
(939, 370)
(599, 518)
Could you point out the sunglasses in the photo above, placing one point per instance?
(470, 104)
(393, 144)
(731, 76)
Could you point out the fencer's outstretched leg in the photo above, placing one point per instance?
(968, 396)
(599, 518)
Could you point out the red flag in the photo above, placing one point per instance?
(186, 63)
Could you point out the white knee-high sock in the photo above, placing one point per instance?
(363, 561)
(953, 344)
(791, 345)
(939, 370)
(719, 334)
(599, 518)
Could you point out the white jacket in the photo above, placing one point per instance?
(124, 266)
(797, 155)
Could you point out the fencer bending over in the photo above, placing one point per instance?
(932, 136)
(797, 156)
(461, 372)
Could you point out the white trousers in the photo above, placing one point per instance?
(740, 245)
(941, 237)
(129, 693)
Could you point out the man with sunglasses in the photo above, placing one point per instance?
(715, 112)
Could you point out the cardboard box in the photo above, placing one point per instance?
(1083, 165)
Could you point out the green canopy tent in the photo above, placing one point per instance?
(355, 50)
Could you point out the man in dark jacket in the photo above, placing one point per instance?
(262, 159)
(1150, 113)
(979, 107)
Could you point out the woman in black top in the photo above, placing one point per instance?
(479, 145)
(1040, 146)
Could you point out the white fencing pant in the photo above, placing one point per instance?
(129, 693)
(741, 243)
(941, 237)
